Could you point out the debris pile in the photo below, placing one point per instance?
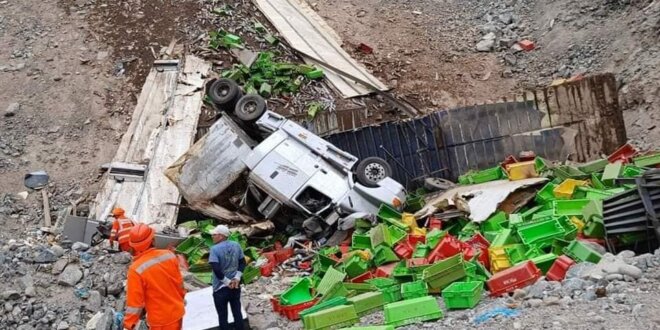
(553, 228)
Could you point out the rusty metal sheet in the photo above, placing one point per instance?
(578, 120)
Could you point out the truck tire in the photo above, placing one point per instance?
(250, 107)
(224, 93)
(438, 184)
(372, 170)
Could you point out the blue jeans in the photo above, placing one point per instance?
(232, 297)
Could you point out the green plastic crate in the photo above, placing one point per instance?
(541, 164)
(337, 290)
(569, 207)
(544, 261)
(391, 216)
(504, 237)
(421, 251)
(355, 266)
(476, 177)
(594, 228)
(391, 293)
(515, 252)
(396, 235)
(298, 293)
(361, 241)
(460, 295)
(367, 302)
(543, 215)
(434, 236)
(382, 282)
(384, 255)
(579, 251)
(402, 273)
(564, 172)
(558, 245)
(329, 279)
(597, 165)
(414, 289)
(527, 215)
(336, 301)
(647, 161)
(495, 222)
(331, 318)
(630, 171)
(414, 203)
(360, 287)
(250, 274)
(375, 327)
(596, 181)
(412, 311)
(379, 235)
(546, 194)
(541, 233)
(592, 193)
(189, 245)
(444, 272)
(611, 172)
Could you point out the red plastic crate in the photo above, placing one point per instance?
(270, 256)
(416, 239)
(417, 262)
(275, 303)
(513, 278)
(361, 278)
(267, 269)
(385, 270)
(282, 255)
(557, 271)
(404, 250)
(624, 154)
(449, 246)
(479, 239)
(293, 312)
(510, 159)
(435, 223)
(344, 249)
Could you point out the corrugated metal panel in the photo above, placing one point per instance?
(578, 120)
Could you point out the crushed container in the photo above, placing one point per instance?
(460, 295)
(513, 278)
(412, 311)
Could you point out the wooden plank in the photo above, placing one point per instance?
(174, 139)
(111, 190)
(162, 129)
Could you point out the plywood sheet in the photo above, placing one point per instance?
(307, 32)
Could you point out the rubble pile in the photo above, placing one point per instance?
(543, 246)
(67, 286)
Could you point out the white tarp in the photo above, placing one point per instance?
(479, 200)
(200, 311)
(307, 32)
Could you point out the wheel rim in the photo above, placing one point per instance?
(249, 108)
(223, 90)
(374, 172)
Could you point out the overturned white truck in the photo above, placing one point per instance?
(289, 169)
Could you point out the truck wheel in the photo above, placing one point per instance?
(250, 107)
(224, 93)
(438, 184)
(372, 170)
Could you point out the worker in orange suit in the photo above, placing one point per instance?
(155, 284)
(121, 228)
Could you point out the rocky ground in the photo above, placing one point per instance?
(620, 292)
(71, 70)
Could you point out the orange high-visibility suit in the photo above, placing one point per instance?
(155, 286)
(121, 229)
